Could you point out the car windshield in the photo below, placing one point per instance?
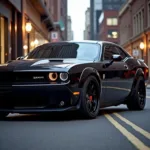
(81, 51)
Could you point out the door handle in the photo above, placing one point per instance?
(126, 66)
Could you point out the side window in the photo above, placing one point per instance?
(109, 50)
(121, 52)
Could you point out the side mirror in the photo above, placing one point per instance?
(116, 57)
(20, 58)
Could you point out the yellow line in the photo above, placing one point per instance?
(147, 96)
(135, 127)
(134, 140)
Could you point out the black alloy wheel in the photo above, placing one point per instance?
(137, 100)
(91, 97)
(90, 102)
(141, 95)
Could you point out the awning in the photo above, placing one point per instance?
(59, 24)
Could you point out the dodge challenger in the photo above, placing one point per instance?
(81, 76)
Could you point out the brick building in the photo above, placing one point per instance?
(59, 15)
(134, 19)
(87, 32)
(108, 20)
(109, 26)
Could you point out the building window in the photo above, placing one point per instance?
(148, 14)
(134, 26)
(112, 21)
(45, 2)
(138, 22)
(112, 34)
(142, 19)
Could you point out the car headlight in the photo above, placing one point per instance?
(64, 76)
(53, 76)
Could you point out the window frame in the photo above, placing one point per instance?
(138, 26)
(112, 24)
(113, 30)
(148, 9)
(104, 45)
(120, 48)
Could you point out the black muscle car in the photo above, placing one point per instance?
(64, 76)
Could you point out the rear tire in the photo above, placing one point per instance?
(137, 100)
(90, 102)
(3, 115)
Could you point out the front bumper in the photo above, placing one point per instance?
(39, 98)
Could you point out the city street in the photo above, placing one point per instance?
(115, 128)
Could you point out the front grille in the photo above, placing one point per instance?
(30, 77)
(6, 77)
(5, 89)
(9, 78)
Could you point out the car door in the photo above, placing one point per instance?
(114, 85)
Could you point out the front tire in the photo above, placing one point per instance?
(90, 102)
(137, 100)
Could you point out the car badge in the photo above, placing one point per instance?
(38, 77)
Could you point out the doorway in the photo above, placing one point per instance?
(2, 39)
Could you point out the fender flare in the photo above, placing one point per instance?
(139, 73)
(88, 71)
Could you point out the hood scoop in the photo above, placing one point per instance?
(40, 62)
(55, 60)
(47, 61)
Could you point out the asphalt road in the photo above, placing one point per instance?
(116, 128)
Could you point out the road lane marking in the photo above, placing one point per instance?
(134, 140)
(147, 96)
(135, 127)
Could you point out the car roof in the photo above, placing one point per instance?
(81, 41)
(92, 41)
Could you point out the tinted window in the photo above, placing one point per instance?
(121, 52)
(109, 50)
(82, 51)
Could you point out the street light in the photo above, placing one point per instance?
(142, 45)
(36, 42)
(28, 28)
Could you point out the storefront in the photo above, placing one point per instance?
(24, 25)
(37, 28)
(2, 40)
(33, 38)
(10, 30)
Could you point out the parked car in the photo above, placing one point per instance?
(76, 75)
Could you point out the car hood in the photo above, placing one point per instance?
(38, 64)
